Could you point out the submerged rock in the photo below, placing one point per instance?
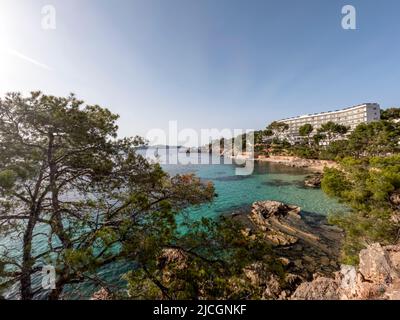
(313, 181)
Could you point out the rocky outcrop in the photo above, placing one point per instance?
(321, 288)
(301, 241)
(102, 294)
(377, 277)
(273, 287)
(171, 260)
(268, 215)
(313, 181)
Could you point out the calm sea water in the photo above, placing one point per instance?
(235, 193)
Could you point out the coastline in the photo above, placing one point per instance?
(313, 165)
(296, 162)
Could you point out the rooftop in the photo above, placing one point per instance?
(326, 112)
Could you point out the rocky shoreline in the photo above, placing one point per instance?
(296, 162)
(309, 249)
(303, 242)
(376, 278)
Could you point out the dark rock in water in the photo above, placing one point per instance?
(313, 181)
(232, 178)
(267, 209)
(278, 183)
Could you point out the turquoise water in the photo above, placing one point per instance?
(267, 182)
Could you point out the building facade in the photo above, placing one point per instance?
(351, 117)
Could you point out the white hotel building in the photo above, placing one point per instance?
(351, 117)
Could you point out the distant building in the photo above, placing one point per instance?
(351, 117)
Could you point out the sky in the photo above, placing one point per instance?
(203, 63)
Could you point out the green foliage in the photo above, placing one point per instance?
(7, 179)
(306, 129)
(331, 142)
(304, 151)
(65, 176)
(54, 147)
(375, 138)
(207, 262)
(332, 131)
(366, 186)
(390, 114)
(336, 150)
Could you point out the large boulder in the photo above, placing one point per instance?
(321, 288)
(377, 277)
(374, 264)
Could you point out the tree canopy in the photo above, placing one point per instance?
(67, 180)
(89, 199)
(371, 188)
(390, 114)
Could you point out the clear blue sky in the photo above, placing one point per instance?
(206, 63)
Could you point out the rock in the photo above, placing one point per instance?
(394, 260)
(377, 277)
(280, 239)
(259, 275)
(273, 288)
(102, 294)
(267, 214)
(292, 281)
(393, 292)
(169, 261)
(320, 289)
(298, 263)
(325, 261)
(348, 281)
(313, 181)
(266, 209)
(374, 265)
(284, 261)
(395, 198)
(172, 256)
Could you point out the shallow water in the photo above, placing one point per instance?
(267, 182)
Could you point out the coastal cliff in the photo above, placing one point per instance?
(376, 278)
(310, 252)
